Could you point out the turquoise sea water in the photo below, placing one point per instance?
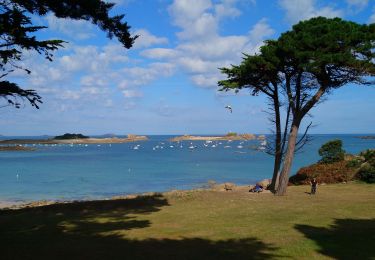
(87, 172)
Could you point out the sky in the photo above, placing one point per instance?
(167, 82)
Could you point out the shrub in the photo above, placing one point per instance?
(369, 156)
(367, 174)
(231, 134)
(332, 152)
(354, 163)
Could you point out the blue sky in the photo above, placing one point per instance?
(167, 83)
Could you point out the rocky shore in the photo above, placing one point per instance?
(210, 186)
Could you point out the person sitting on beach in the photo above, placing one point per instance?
(314, 184)
(258, 188)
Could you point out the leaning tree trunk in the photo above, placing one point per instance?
(278, 152)
(284, 175)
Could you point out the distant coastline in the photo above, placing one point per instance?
(111, 140)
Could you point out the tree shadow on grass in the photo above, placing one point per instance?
(98, 230)
(345, 239)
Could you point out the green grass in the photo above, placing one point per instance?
(338, 222)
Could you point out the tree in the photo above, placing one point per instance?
(332, 152)
(259, 73)
(16, 36)
(306, 63)
(318, 56)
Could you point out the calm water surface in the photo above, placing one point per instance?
(87, 172)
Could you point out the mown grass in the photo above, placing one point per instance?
(338, 222)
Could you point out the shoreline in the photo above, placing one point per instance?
(210, 186)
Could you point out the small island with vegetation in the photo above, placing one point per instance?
(70, 136)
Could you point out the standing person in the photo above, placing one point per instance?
(314, 184)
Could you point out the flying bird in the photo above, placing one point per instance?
(229, 107)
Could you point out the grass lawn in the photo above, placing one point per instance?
(338, 222)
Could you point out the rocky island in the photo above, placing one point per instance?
(229, 136)
(76, 139)
(15, 148)
(367, 137)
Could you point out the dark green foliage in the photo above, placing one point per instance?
(332, 152)
(367, 174)
(96, 11)
(354, 163)
(70, 136)
(369, 156)
(11, 91)
(367, 171)
(17, 34)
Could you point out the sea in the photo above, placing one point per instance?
(98, 171)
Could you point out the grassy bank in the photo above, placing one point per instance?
(339, 222)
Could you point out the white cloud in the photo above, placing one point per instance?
(147, 39)
(159, 53)
(372, 18)
(184, 12)
(357, 4)
(92, 58)
(77, 29)
(141, 76)
(260, 31)
(201, 49)
(206, 80)
(297, 10)
(129, 93)
(69, 94)
(226, 8)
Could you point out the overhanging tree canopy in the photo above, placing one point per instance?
(16, 35)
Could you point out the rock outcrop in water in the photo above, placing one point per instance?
(16, 148)
(230, 136)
